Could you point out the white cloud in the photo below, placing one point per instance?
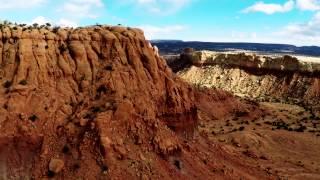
(311, 5)
(97, 3)
(270, 8)
(303, 33)
(145, 1)
(40, 20)
(67, 23)
(14, 4)
(71, 12)
(61, 22)
(239, 36)
(81, 8)
(165, 32)
(161, 7)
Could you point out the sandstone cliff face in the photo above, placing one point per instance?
(99, 103)
(80, 95)
(278, 79)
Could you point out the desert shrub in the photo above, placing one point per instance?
(65, 149)
(5, 22)
(23, 82)
(62, 48)
(90, 116)
(33, 118)
(301, 128)
(300, 113)
(109, 68)
(177, 163)
(241, 128)
(76, 166)
(241, 113)
(268, 122)
(50, 174)
(96, 109)
(7, 84)
(104, 168)
(280, 125)
(55, 29)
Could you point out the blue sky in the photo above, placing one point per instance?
(266, 21)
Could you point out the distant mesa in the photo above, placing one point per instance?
(175, 47)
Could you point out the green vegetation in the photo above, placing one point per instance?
(35, 25)
(24, 27)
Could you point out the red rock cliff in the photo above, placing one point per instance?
(99, 103)
(81, 96)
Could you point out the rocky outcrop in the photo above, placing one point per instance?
(285, 78)
(100, 103)
(252, 61)
(81, 96)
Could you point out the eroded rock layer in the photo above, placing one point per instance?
(283, 79)
(80, 95)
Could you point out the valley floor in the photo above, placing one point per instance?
(283, 140)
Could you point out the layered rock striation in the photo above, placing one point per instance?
(81, 96)
(252, 61)
(284, 78)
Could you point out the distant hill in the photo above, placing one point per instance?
(176, 46)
